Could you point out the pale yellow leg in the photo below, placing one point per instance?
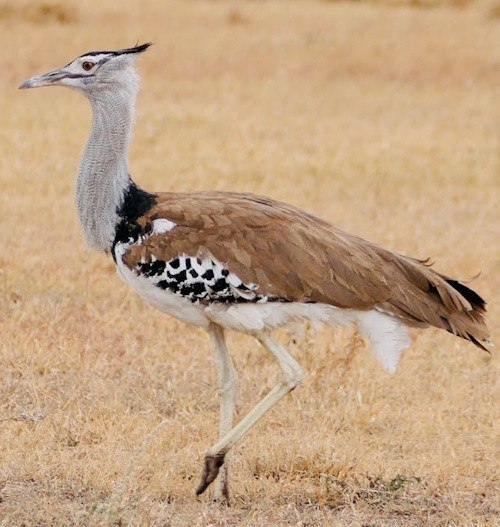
(292, 375)
(226, 388)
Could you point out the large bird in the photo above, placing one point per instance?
(224, 260)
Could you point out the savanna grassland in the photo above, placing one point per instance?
(381, 117)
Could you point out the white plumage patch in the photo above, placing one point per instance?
(162, 225)
(388, 337)
(170, 303)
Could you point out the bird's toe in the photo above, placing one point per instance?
(210, 471)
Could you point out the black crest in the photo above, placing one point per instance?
(140, 48)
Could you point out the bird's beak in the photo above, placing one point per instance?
(53, 78)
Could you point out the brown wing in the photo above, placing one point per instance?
(293, 255)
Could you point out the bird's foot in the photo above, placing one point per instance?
(221, 492)
(220, 498)
(210, 471)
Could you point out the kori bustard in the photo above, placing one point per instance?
(224, 260)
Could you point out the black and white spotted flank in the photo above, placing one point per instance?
(199, 280)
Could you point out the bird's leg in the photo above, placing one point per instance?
(292, 375)
(227, 384)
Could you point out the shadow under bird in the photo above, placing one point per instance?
(224, 260)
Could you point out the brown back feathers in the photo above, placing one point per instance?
(296, 256)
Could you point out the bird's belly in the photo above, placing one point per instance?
(245, 317)
(170, 303)
(387, 334)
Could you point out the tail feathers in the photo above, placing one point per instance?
(467, 323)
(479, 344)
(476, 302)
(429, 298)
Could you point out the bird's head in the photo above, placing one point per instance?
(94, 73)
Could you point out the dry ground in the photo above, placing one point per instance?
(383, 118)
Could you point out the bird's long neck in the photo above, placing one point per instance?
(103, 177)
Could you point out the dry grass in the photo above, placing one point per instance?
(383, 119)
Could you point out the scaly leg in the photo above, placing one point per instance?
(226, 384)
(292, 375)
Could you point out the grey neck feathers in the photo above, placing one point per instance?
(103, 177)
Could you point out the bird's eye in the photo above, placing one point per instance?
(87, 66)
